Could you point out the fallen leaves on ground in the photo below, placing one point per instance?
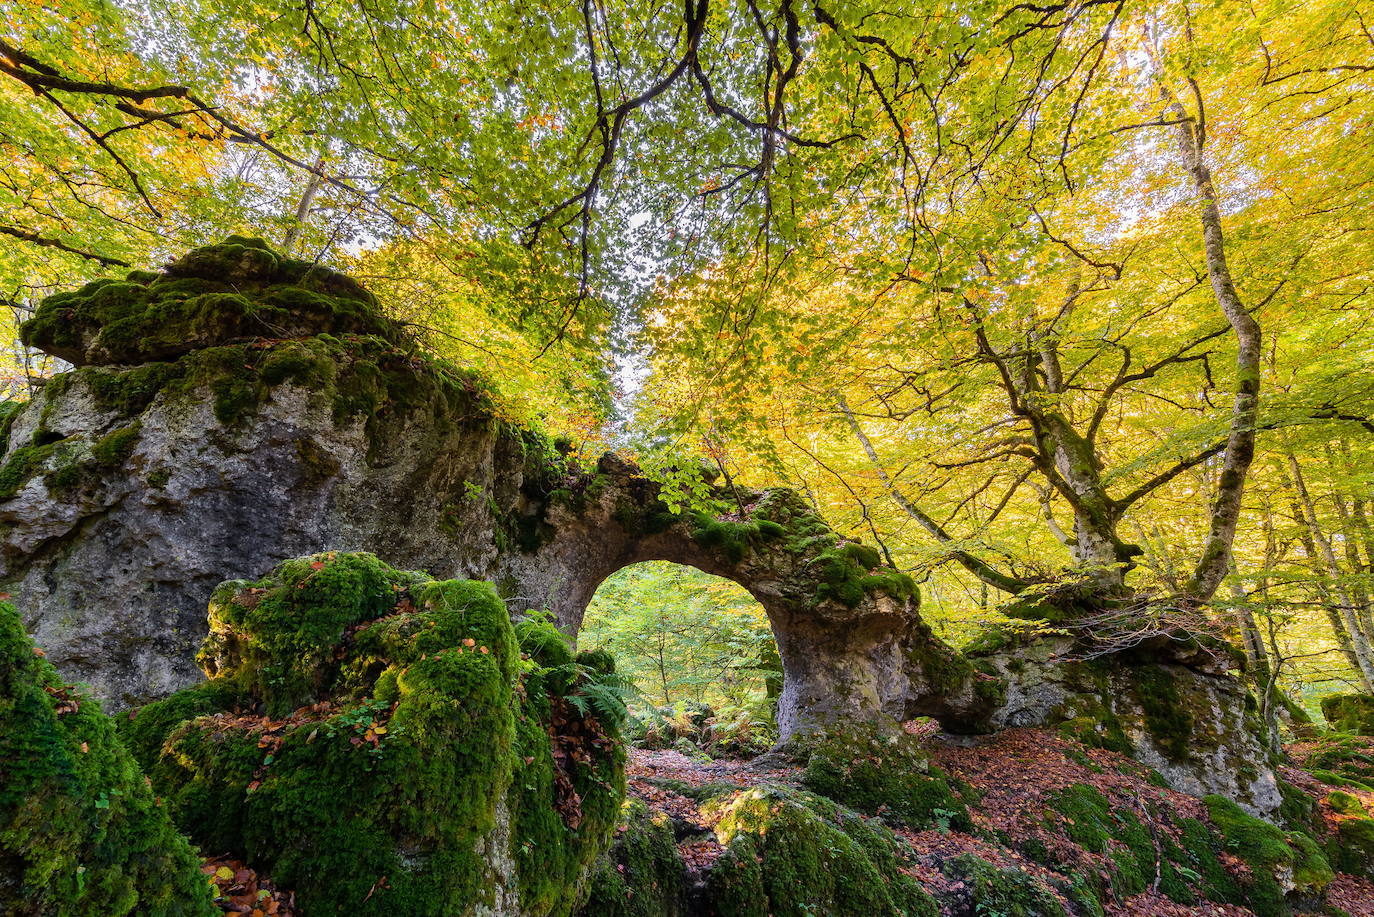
(240, 890)
(1015, 772)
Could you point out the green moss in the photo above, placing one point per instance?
(411, 717)
(1347, 757)
(643, 875)
(1088, 819)
(128, 391)
(143, 730)
(1270, 854)
(991, 640)
(1351, 849)
(277, 637)
(237, 290)
(790, 854)
(80, 832)
(1005, 892)
(235, 343)
(557, 844)
(1345, 803)
(1167, 717)
(9, 412)
(1297, 811)
(598, 660)
(544, 643)
(733, 539)
(1093, 722)
(114, 448)
(23, 464)
(1201, 849)
(1351, 713)
(884, 774)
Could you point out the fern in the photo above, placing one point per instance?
(606, 696)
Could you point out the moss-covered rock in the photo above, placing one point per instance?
(371, 739)
(792, 854)
(1281, 864)
(1135, 852)
(643, 875)
(886, 774)
(1351, 713)
(1342, 760)
(237, 290)
(9, 410)
(1005, 891)
(80, 831)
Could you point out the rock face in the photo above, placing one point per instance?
(240, 408)
(1201, 731)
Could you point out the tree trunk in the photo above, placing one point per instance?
(312, 188)
(1359, 595)
(1240, 443)
(1316, 538)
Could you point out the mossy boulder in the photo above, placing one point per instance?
(1341, 760)
(1282, 865)
(81, 833)
(884, 773)
(1200, 731)
(643, 874)
(1350, 847)
(1135, 854)
(1001, 890)
(1350, 713)
(792, 854)
(237, 290)
(371, 739)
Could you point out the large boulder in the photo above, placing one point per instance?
(377, 742)
(1199, 729)
(80, 831)
(1352, 713)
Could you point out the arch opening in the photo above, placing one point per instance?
(701, 652)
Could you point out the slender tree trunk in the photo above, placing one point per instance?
(1240, 443)
(312, 188)
(1359, 594)
(1316, 538)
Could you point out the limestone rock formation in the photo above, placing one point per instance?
(1200, 730)
(240, 408)
(385, 744)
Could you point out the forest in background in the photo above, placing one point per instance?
(941, 267)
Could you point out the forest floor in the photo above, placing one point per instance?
(1017, 774)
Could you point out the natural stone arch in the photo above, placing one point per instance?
(849, 632)
(186, 448)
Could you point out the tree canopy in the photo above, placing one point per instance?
(1056, 303)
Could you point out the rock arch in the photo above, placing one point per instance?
(239, 408)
